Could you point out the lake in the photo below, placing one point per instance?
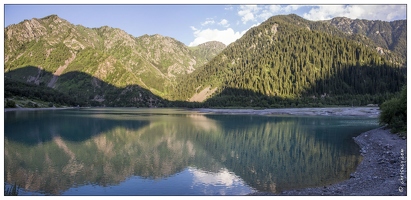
(127, 151)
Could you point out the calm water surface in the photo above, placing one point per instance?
(114, 151)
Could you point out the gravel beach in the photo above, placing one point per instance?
(333, 111)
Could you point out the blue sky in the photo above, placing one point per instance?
(193, 24)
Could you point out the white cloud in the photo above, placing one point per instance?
(224, 23)
(257, 13)
(291, 8)
(247, 17)
(265, 14)
(250, 8)
(226, 36)
(370, 12)
(247, 12)
(260, 13)
(273, 8)
(326, 12)
(208, 21)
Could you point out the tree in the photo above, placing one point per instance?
(10, 104)
(394, 112)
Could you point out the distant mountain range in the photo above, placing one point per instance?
(285, 61)
(390, 36)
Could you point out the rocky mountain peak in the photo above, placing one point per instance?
(213, 45)
(388, 35)
(26, 30)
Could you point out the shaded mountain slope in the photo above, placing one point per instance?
(56, 46)
(94, 91)
(286, 60)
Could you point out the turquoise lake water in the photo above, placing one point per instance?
(126, 151)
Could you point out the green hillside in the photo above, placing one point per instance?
(285, 61)
(51, 52)
(281, 61)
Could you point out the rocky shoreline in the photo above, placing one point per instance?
(333, 111)
(34, 109)
(383, 171)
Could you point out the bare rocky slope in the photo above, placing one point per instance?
(388, 36)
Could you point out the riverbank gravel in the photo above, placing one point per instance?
(333, 111)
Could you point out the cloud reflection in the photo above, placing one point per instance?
(224, 180)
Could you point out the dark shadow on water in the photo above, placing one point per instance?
(36, 127)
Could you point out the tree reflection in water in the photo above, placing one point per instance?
(55, 151)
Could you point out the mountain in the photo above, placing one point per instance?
(390, 36)
(207, 51)
(288, 58)
(285, 61)
(105, 55)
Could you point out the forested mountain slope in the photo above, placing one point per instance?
(285, 61)
(288, 58)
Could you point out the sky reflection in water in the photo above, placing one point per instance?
(175, 152)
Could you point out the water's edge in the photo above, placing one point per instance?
(326, 111)
(372, 151)
(381, 172)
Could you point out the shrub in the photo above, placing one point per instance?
(10, 104)
(394, 112)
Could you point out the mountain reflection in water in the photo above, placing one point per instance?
(74, 152)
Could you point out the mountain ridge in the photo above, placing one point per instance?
(110, 54)
(386, 35)
(287, 57)
(171, 70)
